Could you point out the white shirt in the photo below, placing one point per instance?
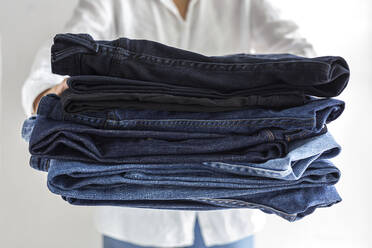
(211, 27)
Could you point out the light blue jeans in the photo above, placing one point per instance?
(198, 242)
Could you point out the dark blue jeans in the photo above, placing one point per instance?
(79, 54)
(295, 122)
(174, 185)
(182, 140)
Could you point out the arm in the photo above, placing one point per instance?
(93, 17)
(272, 34)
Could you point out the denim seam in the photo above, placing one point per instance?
(114, 116)
(47, 165)
(248, 204)
(249, 169)
(213, 123)
(113, 124)
(85, 118)
(111, 60)
(270, 134)
(300, 135)
(67, 51)
(287, 119)
(105, 124)
(248, 122)
(117, 51)
(131, 159)
(187, 124)
(80, 40)
(232, 68)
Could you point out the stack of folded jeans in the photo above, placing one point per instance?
(151, 126)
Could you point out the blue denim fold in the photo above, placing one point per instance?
(306, 182)
(187, 143)
(291, 167)
(191, 188)
(297, 121)
(71, 141)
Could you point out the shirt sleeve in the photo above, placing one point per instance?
(93, 17)
(272, 34)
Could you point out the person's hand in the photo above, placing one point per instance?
(58, 89)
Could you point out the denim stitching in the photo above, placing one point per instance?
(117, 50)
(183, 121)
(216, 67)
(270, 134)
(248, 204)
(247, 169)
(197, 124)
(47, 165)
(220, 66)
(228, 123)
(79, 39)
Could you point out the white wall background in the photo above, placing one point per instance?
(33, 217)
(338, 27)
(30, 215)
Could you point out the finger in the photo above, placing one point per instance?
(64, 85)
(61, 87)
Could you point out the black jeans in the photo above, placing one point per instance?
(95, 93)
(79, 54)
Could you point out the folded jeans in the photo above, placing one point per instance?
(78, 103)
(200, 186)
(188, 189)
(296, 122)
(79, 54)
(72, 141)
(95, 93)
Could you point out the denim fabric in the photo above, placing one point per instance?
(200, 186)
(71, 141)
(188, 186)
(91, 84)
(291, 167)
(67, 140)
(77, 103)
(94, 93)
(179, 130)
(296, 122)
(79, 54)
(87, 184)
(292, 205)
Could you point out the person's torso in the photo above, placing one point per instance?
(211, 27)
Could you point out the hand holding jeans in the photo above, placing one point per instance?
(58, 89)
